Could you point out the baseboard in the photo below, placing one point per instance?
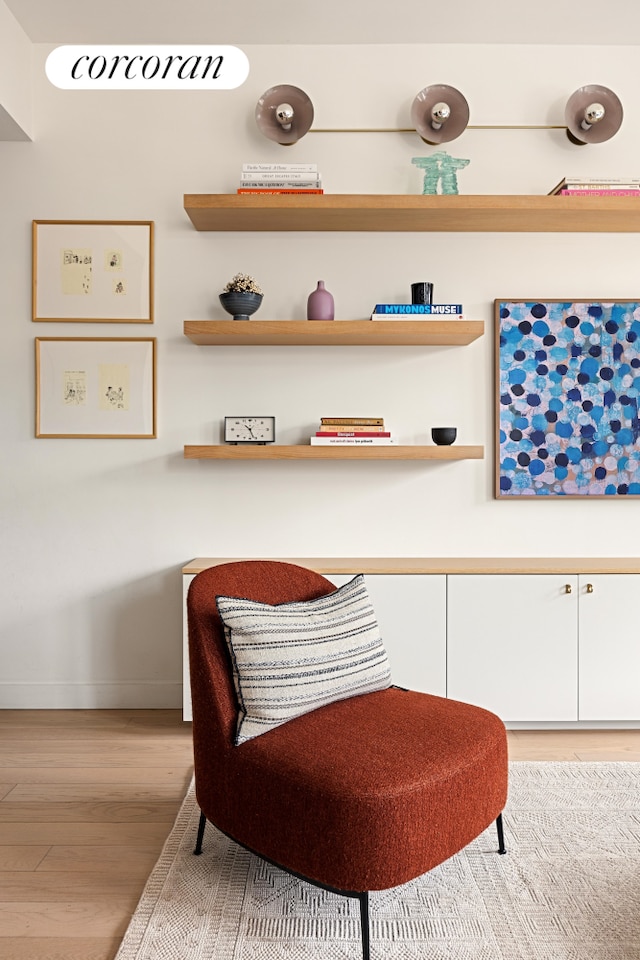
(90, 696)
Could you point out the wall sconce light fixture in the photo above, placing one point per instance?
(439, 113)
(593, 114)
(284, 113)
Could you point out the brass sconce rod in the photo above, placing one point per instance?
(526, 126)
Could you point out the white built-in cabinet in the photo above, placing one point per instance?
(609, 647)
(553, 643)
(412, 615)
(512, 644)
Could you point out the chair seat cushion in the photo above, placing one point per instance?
(366, 793)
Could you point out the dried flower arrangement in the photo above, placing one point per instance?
(242, 283)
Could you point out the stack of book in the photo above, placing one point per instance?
(597, 187)
(357, 431)
(417, 311)
(280, 178)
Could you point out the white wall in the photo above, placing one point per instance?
(15, 78)
(94, 532)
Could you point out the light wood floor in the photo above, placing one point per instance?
(87, 799)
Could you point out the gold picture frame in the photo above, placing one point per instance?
(96, 387)
(92, 271)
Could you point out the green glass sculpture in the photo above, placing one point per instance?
(440, 169)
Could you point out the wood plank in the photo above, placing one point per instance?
(98, 791)
(105, 834)
(96, 735)
(439, 565)
(5, 789)
(139, 754)
(413, 213)
(22, 856)
(574, 745)
(77, 719)
(45, 811)
(59, 948)
(38, 885)
(301, 451)
(108, 918)
(166, 781)
(133, 861)
(387, 333)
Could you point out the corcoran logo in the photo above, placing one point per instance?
(77, 67)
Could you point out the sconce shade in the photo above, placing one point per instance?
(439, 113)
(284, 113)
(593, 114)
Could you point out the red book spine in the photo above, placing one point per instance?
(600, 193)
(260, 190)
(351, 433)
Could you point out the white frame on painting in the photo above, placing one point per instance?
(101, 387)
(92, 271)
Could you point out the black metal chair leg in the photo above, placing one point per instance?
(201, 826)
(501, 846)
(364, 923)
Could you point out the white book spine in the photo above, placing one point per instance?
(352, 441)
(602, 180)
(416, 316)
(278, 167)
(283, 184)
(277, 175)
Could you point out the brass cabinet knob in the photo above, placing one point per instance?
(567, 588)
(589, 588)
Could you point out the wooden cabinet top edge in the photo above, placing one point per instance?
(560, 566)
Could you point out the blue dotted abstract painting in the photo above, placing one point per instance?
(568, 385)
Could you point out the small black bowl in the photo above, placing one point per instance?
(444, 436)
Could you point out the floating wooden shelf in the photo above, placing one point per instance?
(387, 213)
(343, 452)
(338, 333)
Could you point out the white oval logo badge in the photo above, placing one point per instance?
(130, 67)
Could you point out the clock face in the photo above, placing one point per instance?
(249, 429)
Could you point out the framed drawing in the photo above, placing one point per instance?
(93, 271)
(96, 387)
(567, 389)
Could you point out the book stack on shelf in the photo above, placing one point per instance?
(417, 311)
(280, 178)
(597, 187)
(354, 431)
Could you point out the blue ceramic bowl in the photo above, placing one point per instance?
(240, 305)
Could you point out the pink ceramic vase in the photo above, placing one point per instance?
(320, 304)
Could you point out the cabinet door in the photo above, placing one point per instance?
(512, 644)
(609, 647)
(411, 612)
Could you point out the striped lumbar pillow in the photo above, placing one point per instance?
(292, 658)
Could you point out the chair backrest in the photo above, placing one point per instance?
(212, 691)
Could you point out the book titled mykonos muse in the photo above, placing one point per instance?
(390, 311)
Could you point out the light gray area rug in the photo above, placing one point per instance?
(568, 888)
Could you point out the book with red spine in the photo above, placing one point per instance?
(284, 190)
(599, 193)
(352, 433)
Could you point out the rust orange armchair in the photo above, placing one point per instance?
(361, 794)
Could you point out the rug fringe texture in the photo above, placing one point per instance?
(568, 888)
